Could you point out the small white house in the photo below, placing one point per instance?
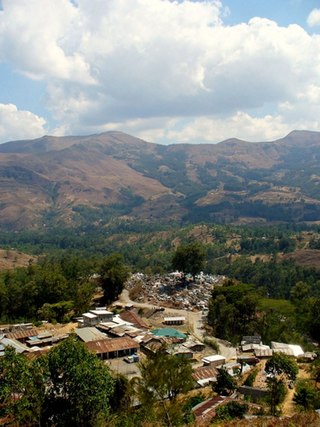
(214, 360)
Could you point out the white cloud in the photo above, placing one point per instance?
(313, 19)
(126, 64)
(240, 125)
(18, 124)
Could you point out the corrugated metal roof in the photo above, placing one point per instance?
(101, 312)
(204, 372)
(89, 315)
(111, 345)
(22, 333)
(19, 348)
(89, 334)
(168, 332)
(132, 317)
(214, 358)
(267, 352)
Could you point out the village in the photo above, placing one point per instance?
(162, 320)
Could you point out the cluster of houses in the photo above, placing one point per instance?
(174, 290)
(26, 339)
(254, 346)
(117, 335)
(126, 336)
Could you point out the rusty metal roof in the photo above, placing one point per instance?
(111, 345)
(22, 333)
(204, 372)
(132, 317)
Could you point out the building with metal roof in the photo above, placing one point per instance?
(7, 342)
(113, 347)
(169, 332)
(88, 334)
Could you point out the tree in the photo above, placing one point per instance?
(163, 378)
(225, 383)
(113, 275)
(231, 410)
(277, 392)
(21, 388)
(189, 258)
(282, 365)
(79, 386)
(279, 367)
(306, 396)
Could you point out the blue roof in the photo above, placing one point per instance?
(168, 332)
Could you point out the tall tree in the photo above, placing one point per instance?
(21, 389)
(225, 383)
(164, 377)
(280, 368)
(189, 258)
(79, 386)
(113, 274)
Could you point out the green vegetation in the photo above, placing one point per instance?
(189, 258)
(56, 289)
(164, 378)
(79, 386)
(72, 387)
(233, 311)
(279, 368)
(225, 383)
(230, 411)
(307, 396)
(69, 387)
(113, 275)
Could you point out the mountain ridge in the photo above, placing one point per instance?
(94, 179)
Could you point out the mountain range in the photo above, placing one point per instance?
(96, 179)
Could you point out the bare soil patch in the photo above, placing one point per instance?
(11, 259)
(305, 257)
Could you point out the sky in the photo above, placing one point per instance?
(167, 71)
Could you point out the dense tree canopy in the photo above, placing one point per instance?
(113, 274)
(189, 258)
(233, 311)
(79, 386)
(22, 388)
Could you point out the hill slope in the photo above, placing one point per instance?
(91, 179)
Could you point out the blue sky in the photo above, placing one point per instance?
(166, 71)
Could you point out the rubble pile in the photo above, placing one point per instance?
(173, 290)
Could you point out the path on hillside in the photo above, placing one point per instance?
(194, 319)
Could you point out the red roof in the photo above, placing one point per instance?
(204, 372)
(132, 317)
(205, 411)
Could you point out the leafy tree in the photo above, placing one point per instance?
(282, 365)
(58, 312)
(21, 389)
(279, 367)
(225, 383)
(79, 386)
(163, 378)
(231, 410)
(113, 274)
(232, 311)
(306, 396)
(314, 323)
(277, 392)
(166, 375)
(189, 258)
